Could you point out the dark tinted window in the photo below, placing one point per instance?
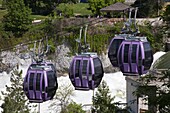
(51, 83)
(31, 81)
(115, 46)
(84, 68)
(147, 46)
(43, 83)
(71, 71)
(126, 53)
(134, 52)
(77, 68)
(140, 56)
(38, 80)
(98, 71)
(98, 66)
(26, 78)
(51, 79)
(120, 56)
(26, 82)
(148, 55)
(90, 71)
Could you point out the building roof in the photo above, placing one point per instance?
(116, 7)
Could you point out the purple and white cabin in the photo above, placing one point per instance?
(86, 71)
(40, 83)
(135, 56)
(113, 48)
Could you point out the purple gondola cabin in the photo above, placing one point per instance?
(86, 71)
(135, 56)
(40, 82)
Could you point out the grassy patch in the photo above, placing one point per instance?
(79, 8)
(38, 17)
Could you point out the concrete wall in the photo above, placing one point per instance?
(132, 100)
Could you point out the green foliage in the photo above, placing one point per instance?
(2, 13)
(96, 5)
(68, 11)
(45, 7)
(14, 98)
(166, 19)
(116, 29)
(41, 7)
(73, 108)
(148, 8)
(17, 18)
(78, 9)
(62, 97)
(98, 42)
(166, 13)
(102, 101)
(154, 36)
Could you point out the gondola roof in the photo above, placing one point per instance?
(88, 54)
(40, 68)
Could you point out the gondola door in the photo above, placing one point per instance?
(123, 56)
(148, 56)
(77, 72)
(113, 50)
(134, 49)
(85, 72)
(38, 82)
(30, 82)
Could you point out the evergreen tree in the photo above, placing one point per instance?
(102, 101)
(62, 98)
(14, 98)
(74, 108)
(148, 8)
(43, 7)
(166, 19)
(17, 18)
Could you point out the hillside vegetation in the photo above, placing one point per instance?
(98, 35)
(77, 9)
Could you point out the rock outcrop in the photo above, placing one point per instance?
(61, 59)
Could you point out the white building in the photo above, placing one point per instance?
(141, 103)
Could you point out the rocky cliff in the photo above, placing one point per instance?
(61, 59)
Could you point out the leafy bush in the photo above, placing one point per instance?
(17, 18)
